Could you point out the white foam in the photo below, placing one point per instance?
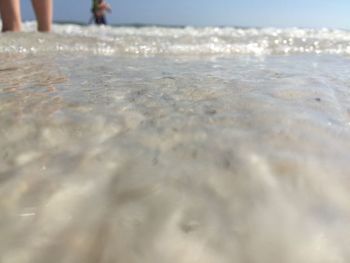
(189, 41)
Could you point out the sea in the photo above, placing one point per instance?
(158, 144)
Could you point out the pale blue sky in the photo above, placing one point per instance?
(279, 13)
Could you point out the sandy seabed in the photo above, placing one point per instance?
(120, 158)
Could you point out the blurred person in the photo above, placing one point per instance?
(10, 11)
(99, 9)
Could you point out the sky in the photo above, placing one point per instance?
(248, 13)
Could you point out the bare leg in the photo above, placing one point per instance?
(11, 15)
(43, 12)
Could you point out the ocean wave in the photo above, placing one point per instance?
(188, 41)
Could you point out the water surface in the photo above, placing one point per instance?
(175, 145)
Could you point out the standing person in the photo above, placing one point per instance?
(99, 9)
(10, 11)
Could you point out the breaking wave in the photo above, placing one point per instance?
(188, 41)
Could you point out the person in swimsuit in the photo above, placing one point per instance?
(99, 9)
(10, 11)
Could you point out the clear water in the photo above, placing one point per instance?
(175, 145)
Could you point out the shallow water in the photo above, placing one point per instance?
(163, 156)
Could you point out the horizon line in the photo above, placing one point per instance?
(141, 25)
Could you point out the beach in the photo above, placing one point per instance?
(153, 144)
